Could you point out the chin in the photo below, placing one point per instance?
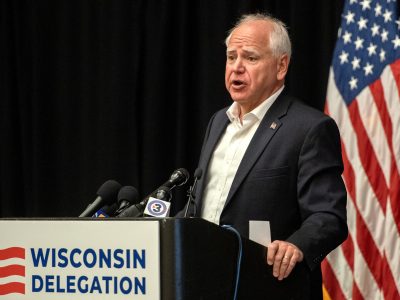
(238, 97)
(239, 100)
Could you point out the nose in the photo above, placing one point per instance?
(238, 65)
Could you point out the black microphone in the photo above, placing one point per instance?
(136, 210)
(191, 192)
(177, 178)
(127, 196)
(162, 193)
(133, 211)
(159, 204)
(106, 195)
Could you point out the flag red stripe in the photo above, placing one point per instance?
(12, 287)
(368, 157)
(348, 251)
(12, 252)
(376, 89)
(389, 285)
(356, 293)
(12, 270)
(331, 283)
(369, 249)
(396, 73)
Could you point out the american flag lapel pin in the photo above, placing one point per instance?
(273, 125)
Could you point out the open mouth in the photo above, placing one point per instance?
(237, 83)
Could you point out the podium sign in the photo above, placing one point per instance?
(79, 259)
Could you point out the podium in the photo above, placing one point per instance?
(146, 258)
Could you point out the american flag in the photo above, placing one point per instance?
(12, 271)
(363, 98)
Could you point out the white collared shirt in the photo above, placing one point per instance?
(228, 155)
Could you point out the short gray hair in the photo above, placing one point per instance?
(279, 38)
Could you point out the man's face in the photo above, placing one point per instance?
(252, 72)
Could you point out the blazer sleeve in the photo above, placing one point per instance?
(321, 193)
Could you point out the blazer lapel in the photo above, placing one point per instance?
(269, 125)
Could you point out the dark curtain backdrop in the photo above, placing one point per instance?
(98, 90)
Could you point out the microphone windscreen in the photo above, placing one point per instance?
(128, 193)
(109, 191)
(180, 176)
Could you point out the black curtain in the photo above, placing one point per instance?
(98, 90)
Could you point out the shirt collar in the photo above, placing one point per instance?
(258, 112)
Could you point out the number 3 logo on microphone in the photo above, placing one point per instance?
(157, 208)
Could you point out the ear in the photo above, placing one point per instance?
(283, 65)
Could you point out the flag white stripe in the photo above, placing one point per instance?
(12, 261)
(14, 278)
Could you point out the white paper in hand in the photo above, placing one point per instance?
(260, 232)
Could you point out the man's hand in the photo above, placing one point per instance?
(283, 256)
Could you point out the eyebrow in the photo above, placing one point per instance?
(247, 52)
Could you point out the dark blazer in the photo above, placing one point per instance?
(290, 175)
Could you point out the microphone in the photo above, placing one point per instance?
(163, 193)
(137, 210)
(105, 196)
(191, 192)
(133, 211)
(127, 196)
(158, 204)
(177, 178)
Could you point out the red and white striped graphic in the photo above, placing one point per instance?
(366, 107)
(12, 271)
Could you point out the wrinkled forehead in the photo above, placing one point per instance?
(252, 35)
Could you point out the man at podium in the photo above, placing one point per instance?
(269, 157)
